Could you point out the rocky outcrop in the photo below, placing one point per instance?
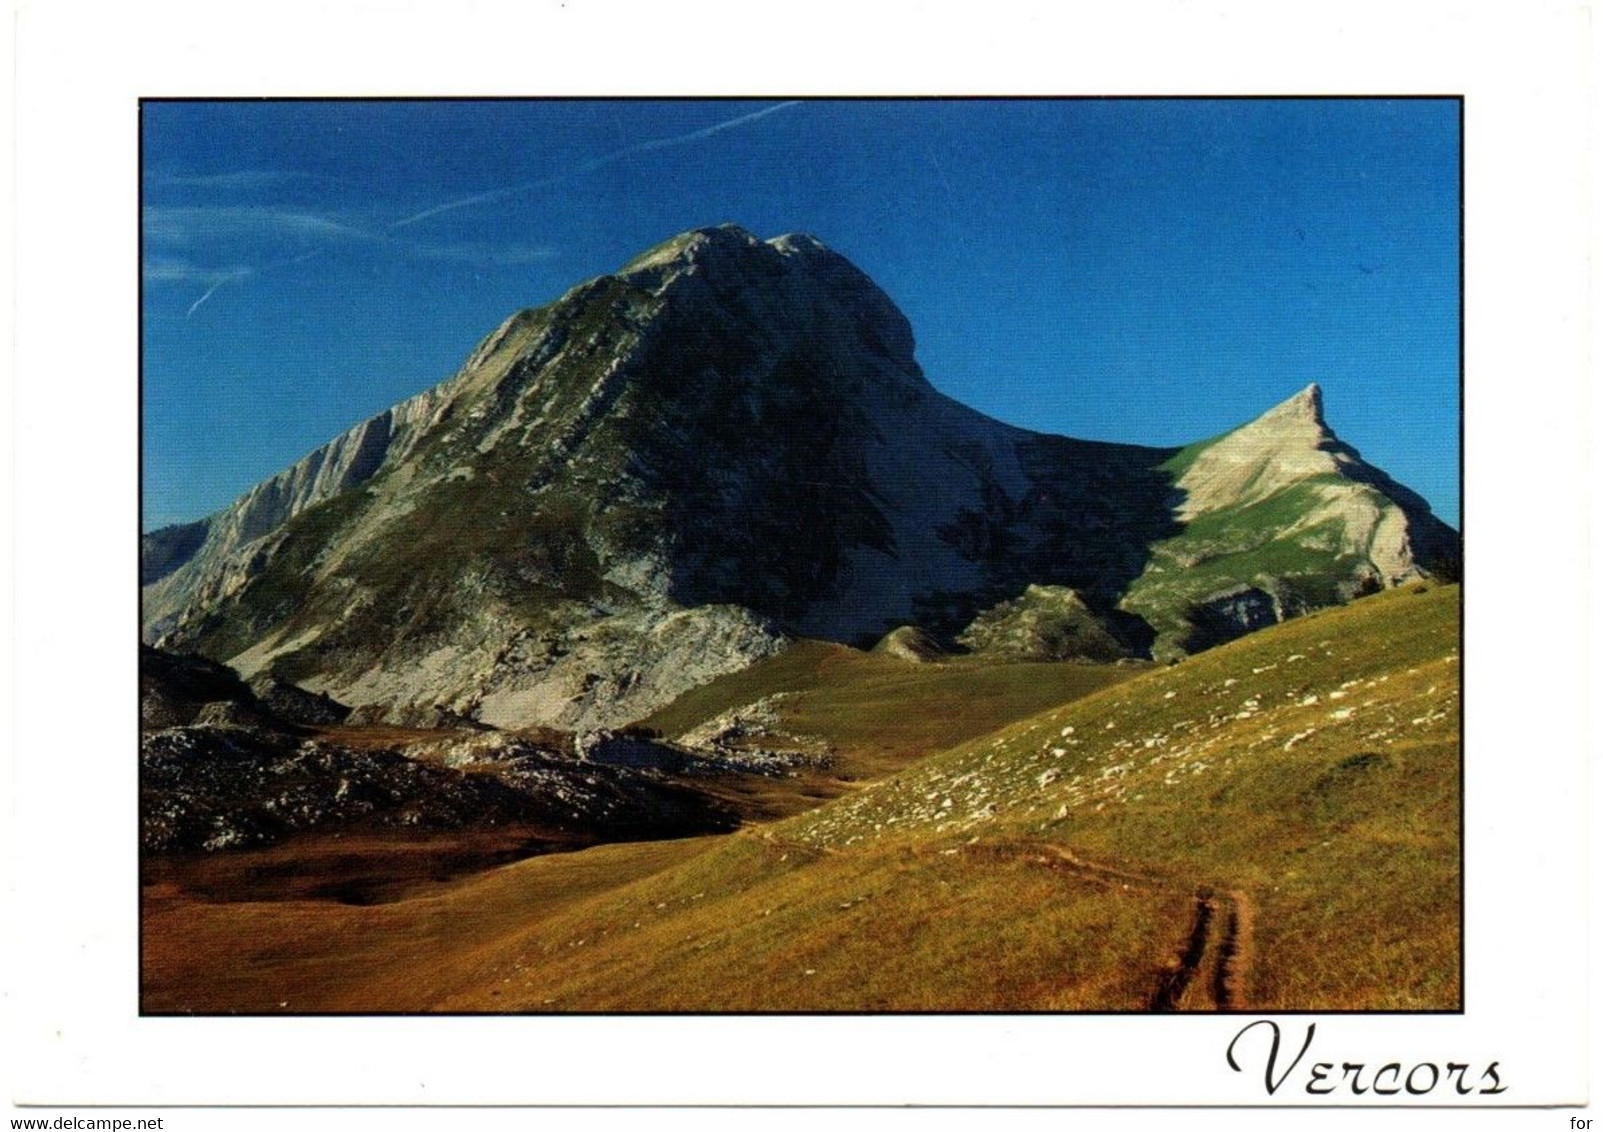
(1044, 623)
(233, 713)
(177, 689)
(1235, 613)
(910, 643)
(200, 561)
(225, 787)
(608, 671)
(753, 737)
(288, 702)
(612, 748)
(174, 688)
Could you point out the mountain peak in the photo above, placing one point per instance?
(724, 241)
(726, 235)
(1306, 407)
(1308, 403)
(689, 247)
(1289, 443)
(724, 275)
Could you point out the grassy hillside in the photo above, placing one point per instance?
(1313, 767)
(874, 713)
(1270, 825)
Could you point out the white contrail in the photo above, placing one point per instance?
(594, 164)
(312, 225)
(240, 274)
(234, 275)
(210, 291)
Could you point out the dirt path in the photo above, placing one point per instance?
(1215, 962)
(1217, 955)
(1174, 983)
(1234, 966)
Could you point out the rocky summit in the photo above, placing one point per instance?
(676, 470)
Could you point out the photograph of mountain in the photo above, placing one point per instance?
(827, 555)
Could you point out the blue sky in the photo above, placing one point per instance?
(1147, 271)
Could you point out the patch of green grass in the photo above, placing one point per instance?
(878, 711)
(1180, 463)
(1247, 546)
(1264, 516)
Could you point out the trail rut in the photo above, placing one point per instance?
(1213, 969)
(1216, 957)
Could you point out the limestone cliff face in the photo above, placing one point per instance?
(1288, 444)
(671, 471)
(211, 559)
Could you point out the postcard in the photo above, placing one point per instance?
(963, 587)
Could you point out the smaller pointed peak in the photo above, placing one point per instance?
(1307, 405)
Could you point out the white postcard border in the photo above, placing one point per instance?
(71, 969)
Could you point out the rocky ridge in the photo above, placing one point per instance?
(672, 471)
